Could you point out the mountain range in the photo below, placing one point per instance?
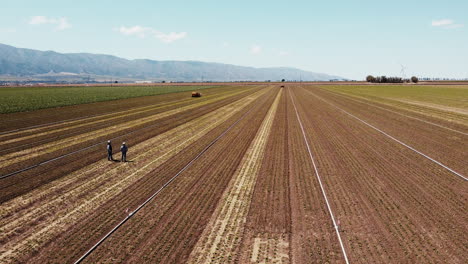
(35, 64)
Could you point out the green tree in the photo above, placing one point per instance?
(370, 78)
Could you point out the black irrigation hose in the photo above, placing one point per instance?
(74, 152)
(76, 132)
(159, 190)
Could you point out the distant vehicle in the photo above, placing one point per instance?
(282, 86)
(196, 94)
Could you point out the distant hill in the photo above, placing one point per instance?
(18, 62)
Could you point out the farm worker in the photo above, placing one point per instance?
(109, 150)
(124, 149)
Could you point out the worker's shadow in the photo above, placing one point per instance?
(117, 160)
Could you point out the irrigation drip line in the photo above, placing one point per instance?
(74, 152)
(337, 231)
(394, 139)
(87, 253)
(391, 111)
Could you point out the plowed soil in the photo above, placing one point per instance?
(231, 180)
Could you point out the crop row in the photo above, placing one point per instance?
(253, 196)
(91, 132)
(78, 194)
(444, 145)
(393, 204)
(221, 239)
(15, 99)
(267, 231)
(47, 117)
(313, 239)
(19, 184)
(170, 225)
(58, 128)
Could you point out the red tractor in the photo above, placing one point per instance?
(196, 94)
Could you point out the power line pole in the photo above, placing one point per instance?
(402, 72)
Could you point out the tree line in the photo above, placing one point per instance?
(385, 79)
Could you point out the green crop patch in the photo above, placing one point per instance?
(19, 99)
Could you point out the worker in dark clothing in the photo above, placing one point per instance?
(109, 150)
(124, 149)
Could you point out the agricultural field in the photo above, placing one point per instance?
(19, 99)
(449, 102)
(308, 173)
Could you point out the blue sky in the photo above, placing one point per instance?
(346, 38)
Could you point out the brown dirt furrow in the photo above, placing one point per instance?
(23, 120)
(268, 225)
(370, 103)
(73, 196)
(251, 197)
(447, 118)
(184, 133)
(446, 146)
(220, 241)
(313, 239)
(455, 110)
(38, 136)
(93, 113)
(169, 226)
(394, 206)
(67, 143)
(24, 182)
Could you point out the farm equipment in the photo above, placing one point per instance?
(196, 94)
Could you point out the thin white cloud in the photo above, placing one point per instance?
(61, 23)
(283, 53)
(442, 22)
(255, 49)
(170, 37)
(225, 44)
(445, 23)
(38, 20)
(135, 30)
(143, 32)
